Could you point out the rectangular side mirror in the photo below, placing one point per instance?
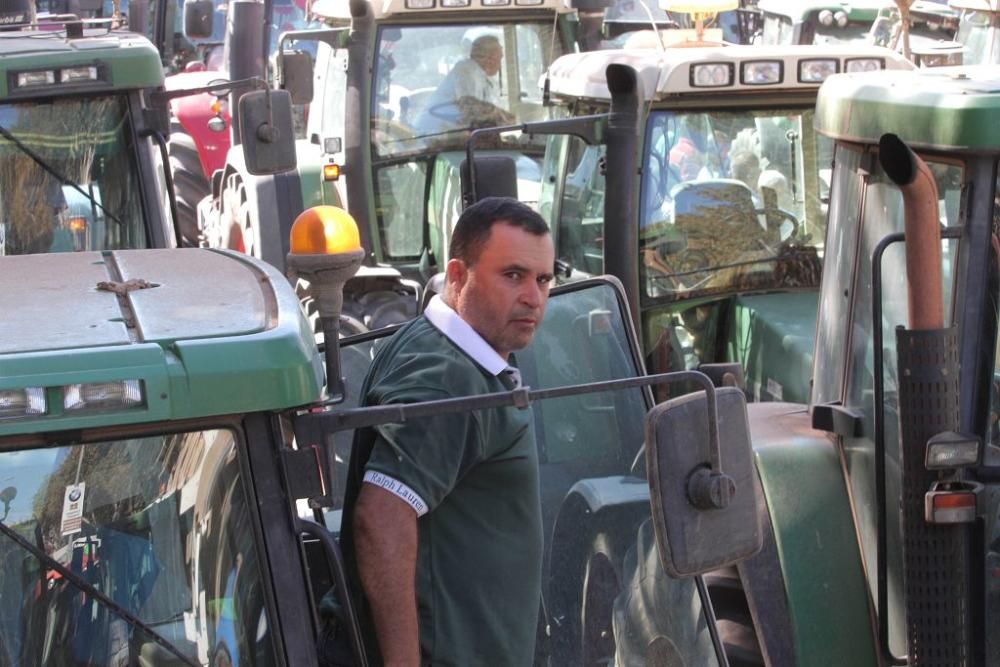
(267, 131)
(198, 18)
(692, 540)
(297, 76)
(495, 176)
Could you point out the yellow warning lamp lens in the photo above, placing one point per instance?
(324, 230)
(77, 224)
(331, 172)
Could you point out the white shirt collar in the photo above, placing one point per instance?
(458, 331)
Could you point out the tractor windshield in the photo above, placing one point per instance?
(732, 201)
(979, 32)
(159, 524)
(69, 177)
(434, 83)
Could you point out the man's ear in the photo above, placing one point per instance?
(456, 273)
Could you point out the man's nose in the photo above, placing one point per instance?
(533, 294)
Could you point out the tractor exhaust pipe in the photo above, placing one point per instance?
(935, 556)
(922, 228)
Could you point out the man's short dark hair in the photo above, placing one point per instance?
(474, 225)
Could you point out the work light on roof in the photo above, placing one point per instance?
(495, 3)
(114, 395)
(455, 3)
(420, 4)
(864, 64)
(22, 402)
(43, 77)
(712, 75)
(816, 70)
(761, 72)
(75, 74)
(527, 3)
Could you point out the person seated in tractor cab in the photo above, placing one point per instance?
(469, 96)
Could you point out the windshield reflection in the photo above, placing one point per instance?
(90, 144)
(160, 525)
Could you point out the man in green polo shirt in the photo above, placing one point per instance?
(446, 525)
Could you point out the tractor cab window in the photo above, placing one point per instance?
(69, 178)
(162, 525)
(881, 214)
(731, 201)
(432, 85)
(572, 202)
(979, 33)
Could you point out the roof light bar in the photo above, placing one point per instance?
(420, 4)
(527, 3)
(23, 402)
(455, 3)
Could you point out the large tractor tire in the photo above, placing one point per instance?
(190, 182)
(733, 619)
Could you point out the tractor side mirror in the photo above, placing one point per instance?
(494, 176)
(198, 18)
(266, 127)
(692, 540)
(297, 76)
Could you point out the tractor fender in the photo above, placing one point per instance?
(275, 201)
(806, 589)
(193, 113)
(598, 517)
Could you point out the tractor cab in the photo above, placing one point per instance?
(718, 226)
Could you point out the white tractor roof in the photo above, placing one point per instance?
(670, 72)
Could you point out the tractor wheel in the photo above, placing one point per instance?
(732, 614)
(601, 585)
(190, 183)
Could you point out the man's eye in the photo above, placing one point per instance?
(514, 275)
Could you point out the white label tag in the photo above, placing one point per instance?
(774, 389)
(72, 514)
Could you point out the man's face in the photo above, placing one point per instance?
(502, 294)
(491, 61)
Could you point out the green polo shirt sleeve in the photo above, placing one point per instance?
(429, 454)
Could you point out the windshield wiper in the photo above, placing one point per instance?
(5, 133)
(90, 590)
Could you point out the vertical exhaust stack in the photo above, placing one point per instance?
(935, 557)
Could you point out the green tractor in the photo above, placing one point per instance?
(173, 462)
(83, 131)
(879, 496)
